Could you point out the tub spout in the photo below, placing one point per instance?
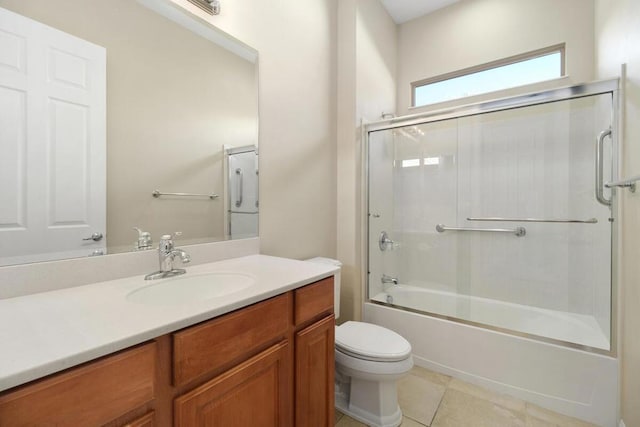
(389, 279)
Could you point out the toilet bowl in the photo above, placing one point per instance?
(369, 360)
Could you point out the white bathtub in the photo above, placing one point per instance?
(558, 325)
(571, 381)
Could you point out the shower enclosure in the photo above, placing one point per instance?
(498, 214)
(491, 243)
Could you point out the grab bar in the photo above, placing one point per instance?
(157, 194)
(625, 183)
(239, 200)
(518, 231)
(599, 167)
(572, 221)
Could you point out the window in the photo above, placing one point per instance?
(506, 73)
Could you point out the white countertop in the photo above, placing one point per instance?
(47, 332)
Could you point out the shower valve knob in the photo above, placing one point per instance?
(385, 243)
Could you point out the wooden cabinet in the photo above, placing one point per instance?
(266, 365)
(314, 354)
(314, 374)
(313, 301)
(256, 393)
(268, 389)
(89, 395)
(230, 338)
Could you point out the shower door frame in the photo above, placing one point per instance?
(611, 86)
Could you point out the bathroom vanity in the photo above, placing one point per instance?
(261, 356)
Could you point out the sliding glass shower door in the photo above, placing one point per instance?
(493, 219)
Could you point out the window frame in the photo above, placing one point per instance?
(561, 48)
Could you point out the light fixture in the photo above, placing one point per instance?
(209, 6)
(215, 6)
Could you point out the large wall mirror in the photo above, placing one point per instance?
(104, 103)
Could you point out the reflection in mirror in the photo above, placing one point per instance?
(242, 182)
(104, 102)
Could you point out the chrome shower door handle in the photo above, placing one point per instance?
(239, 181)
(600, 167)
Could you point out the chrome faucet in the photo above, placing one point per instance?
(144, 241)
(166, 255)
(388, 279)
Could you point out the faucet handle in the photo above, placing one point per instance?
(185, 257)
(144, 239)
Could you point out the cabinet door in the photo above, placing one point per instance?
(256, 393)
(90, 395)
(314, 374)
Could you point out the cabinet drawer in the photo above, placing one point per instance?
(213, 344)
(93, 394)
(313, 300)
(254, 393)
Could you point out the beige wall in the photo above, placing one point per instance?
(366, 89)
(617, 42)
(475, 32)
(173, 100)
(346, 162)
(297, 52)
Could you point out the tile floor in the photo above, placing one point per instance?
(431, 399)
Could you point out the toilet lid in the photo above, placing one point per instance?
(371, 342)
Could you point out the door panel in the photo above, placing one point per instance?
(13, 159)
(53, 120)
(257, 393)
(315, 374)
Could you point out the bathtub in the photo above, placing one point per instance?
(557, 325)
(568, 380)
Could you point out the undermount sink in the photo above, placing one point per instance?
(191, 288)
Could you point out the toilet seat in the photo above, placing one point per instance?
(366, 341)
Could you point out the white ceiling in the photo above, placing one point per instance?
(406, 10)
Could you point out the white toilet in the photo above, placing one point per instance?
(370, 360)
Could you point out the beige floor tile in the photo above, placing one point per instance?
(536, 422)
(482, 393)
(408, 422)
(539, 415)
(347, 421)
(432, 376)
(459, 409)
(419, 398)
(338, 415)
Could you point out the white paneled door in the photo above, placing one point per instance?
(52, 143)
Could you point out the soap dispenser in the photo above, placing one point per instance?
(144, 240)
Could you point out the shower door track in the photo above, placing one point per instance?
(501, 104)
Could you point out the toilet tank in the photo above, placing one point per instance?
(336, 281)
